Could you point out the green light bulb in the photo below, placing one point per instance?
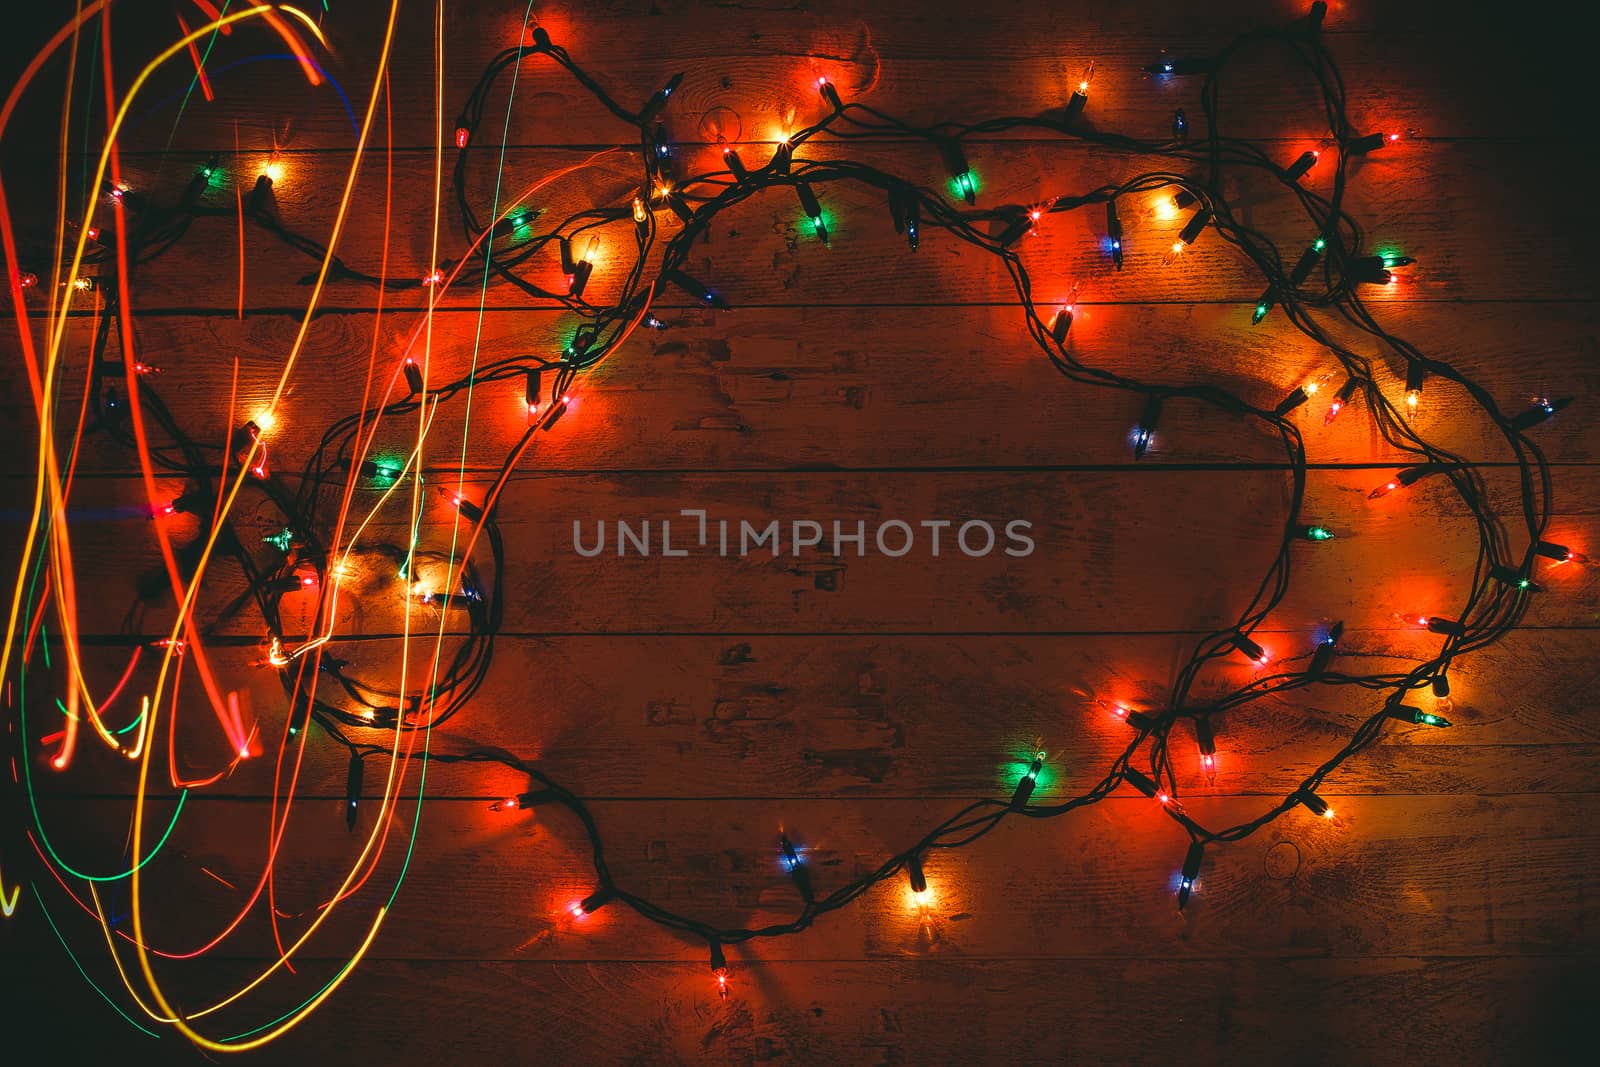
(1318, 533)
(1320, 245)
(280, 540)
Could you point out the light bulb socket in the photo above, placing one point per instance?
(919, 881)
(1362, 145)
(1303, 163)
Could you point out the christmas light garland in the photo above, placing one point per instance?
(509, 240)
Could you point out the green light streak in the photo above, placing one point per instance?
(27, 774)
(103, 996)
(63, 709)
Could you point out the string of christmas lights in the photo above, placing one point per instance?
(511, 244)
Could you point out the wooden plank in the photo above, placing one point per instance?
(868, 717)
(853, 387)
(704, 701)
(1094, 1011)
(1104, 559)
(1401, 68)
(1391, 876)
(1433, 204)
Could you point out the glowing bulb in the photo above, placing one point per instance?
(1413, 398)
(266, 420)
(461, 136)
(275, 654)
(639, 211)
(274, 172)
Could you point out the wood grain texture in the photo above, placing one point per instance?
(1034, 1011)
(1404, 64)
(1103, 559)
(878, 716)
(699, 703)
(761, 253)
(877, 387)
(1097, 883)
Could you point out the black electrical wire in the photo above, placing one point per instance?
(1488, 611)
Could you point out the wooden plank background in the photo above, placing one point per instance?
(701, 703)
